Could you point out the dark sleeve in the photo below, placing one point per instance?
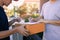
(3, 20)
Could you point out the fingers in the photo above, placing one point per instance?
(23, 31)
(27, 32)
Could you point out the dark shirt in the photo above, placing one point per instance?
(3, 22)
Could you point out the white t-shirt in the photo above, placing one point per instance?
(51, 12)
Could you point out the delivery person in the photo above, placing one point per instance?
(4, 24)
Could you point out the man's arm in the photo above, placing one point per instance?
(6, 33)
(54, 22)
(19, 29)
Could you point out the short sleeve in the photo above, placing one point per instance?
(42, 11)
(3, 20)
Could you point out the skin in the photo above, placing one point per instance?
(19, 29)
(54, 22)
(52, 1)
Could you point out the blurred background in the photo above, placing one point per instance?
(20, 7)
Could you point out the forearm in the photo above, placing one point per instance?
(54, 22)
(6, 33)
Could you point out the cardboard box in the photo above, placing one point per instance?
(35, 28)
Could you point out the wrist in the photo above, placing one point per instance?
(44, 21)
(14, 30)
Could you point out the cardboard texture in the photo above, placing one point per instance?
(35, 28)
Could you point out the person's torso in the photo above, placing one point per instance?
(3, 22)
(52, 12)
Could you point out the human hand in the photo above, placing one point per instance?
(43, 21)
(22, 30)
